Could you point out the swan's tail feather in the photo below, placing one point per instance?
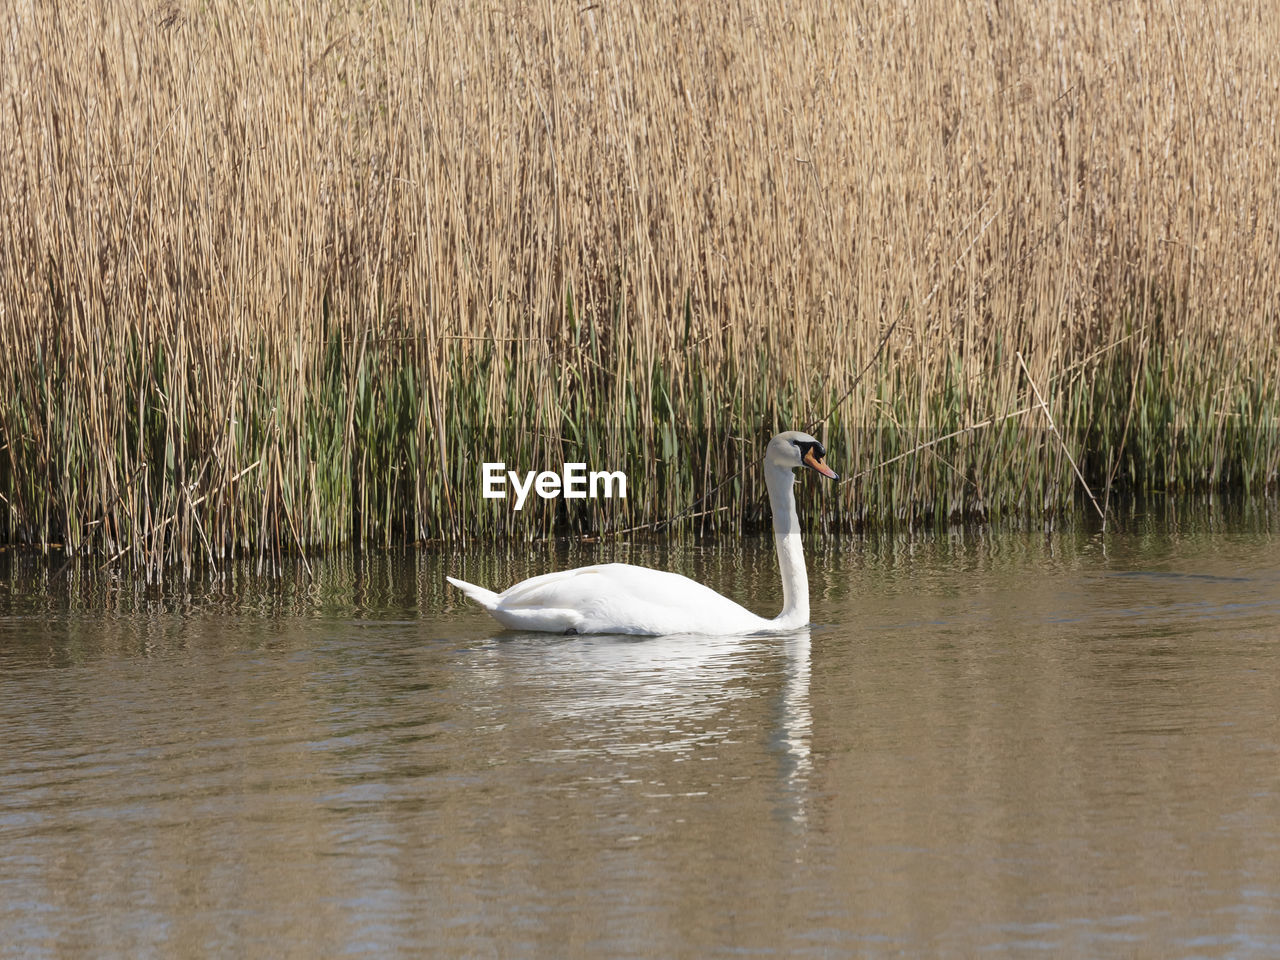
(486, 598)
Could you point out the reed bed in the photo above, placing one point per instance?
(278, 278)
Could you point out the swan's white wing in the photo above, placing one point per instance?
(620, 598)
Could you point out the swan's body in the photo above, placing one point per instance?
(622, 598)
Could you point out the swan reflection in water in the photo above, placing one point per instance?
(795, 723)
(611, 703)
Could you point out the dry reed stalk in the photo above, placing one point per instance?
(1066, 450)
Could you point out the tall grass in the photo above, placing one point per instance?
(275, 277)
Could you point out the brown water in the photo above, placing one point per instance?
(988, 744)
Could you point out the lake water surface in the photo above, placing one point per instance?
(1004, 744)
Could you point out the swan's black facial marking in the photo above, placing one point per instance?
(804, 446)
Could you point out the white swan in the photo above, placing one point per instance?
(621, 598)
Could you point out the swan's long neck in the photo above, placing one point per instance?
(786, 537)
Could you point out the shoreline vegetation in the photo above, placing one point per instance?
(279, 280)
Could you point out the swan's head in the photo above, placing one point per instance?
(795, 449)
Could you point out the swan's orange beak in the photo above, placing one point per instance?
(819, 464)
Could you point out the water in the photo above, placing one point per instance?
(988, 744)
